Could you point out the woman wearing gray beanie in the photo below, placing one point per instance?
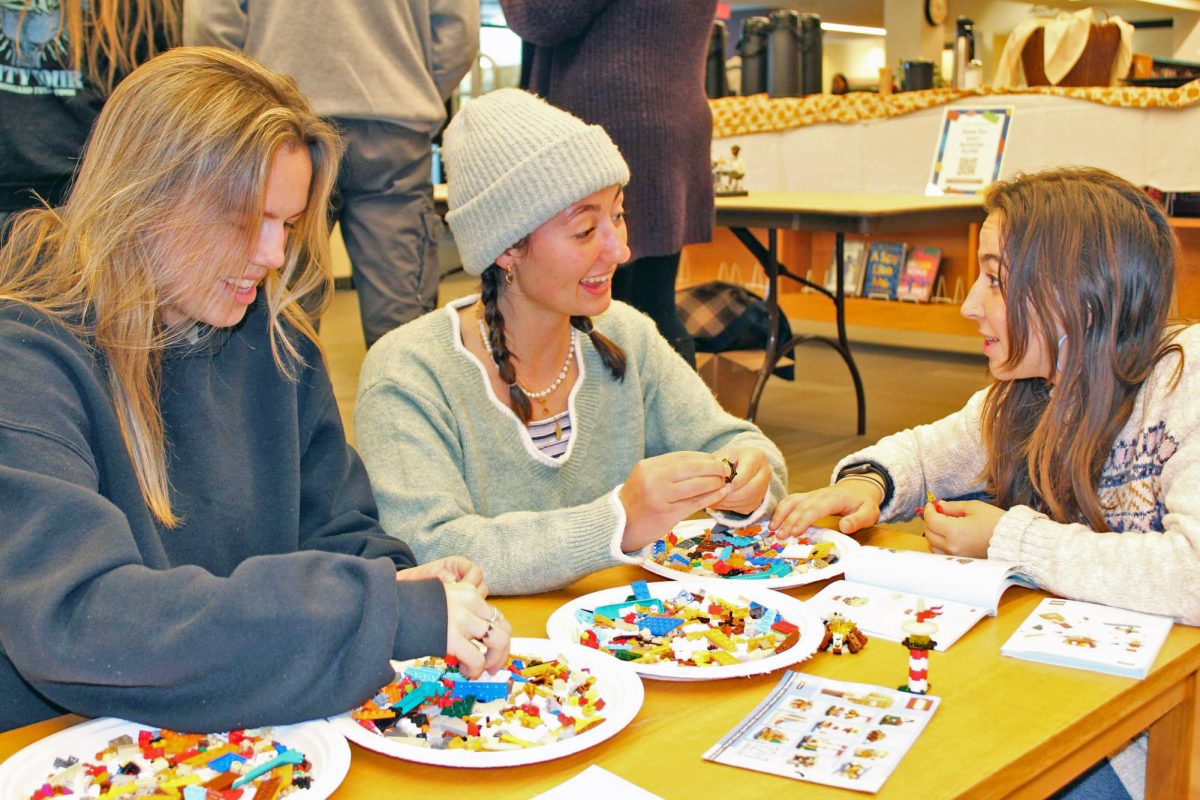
(510, 426)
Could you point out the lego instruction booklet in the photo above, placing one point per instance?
(883, 587)
(1089, 636)
(850, 735)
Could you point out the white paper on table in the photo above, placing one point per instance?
(596, 782)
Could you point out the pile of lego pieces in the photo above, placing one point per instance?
(745, 554)
(239, 765)
(692, 629)
(528, 703)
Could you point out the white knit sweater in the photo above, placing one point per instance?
(1150, 486)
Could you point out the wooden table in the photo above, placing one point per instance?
(1006, 728)
(841, 213)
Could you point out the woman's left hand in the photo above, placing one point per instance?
(751, 479)
(451, 569)
(962, 527)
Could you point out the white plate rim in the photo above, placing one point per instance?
(320, 742)
(618, 714)
(562, 627)
(689, 527)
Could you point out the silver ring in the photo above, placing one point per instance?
(495, 616)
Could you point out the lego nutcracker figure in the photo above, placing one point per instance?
(919, 642)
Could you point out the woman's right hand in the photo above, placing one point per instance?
(662, 490)
(476, 633)
(857, 501)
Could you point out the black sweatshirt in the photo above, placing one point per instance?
(273, 602)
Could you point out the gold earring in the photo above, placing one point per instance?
(508, 276)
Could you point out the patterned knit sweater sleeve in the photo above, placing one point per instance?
(944, 457)
(1150, 488)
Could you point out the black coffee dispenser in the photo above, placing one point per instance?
(752, 48)
(716, 84)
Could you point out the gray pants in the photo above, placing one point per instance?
(385, 207)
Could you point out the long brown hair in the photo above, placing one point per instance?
(1088, 254)
(176, 161)
(612, 356)
(107, 39)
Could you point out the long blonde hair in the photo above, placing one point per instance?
(107, 39)
(170, 193)
(1090, 254)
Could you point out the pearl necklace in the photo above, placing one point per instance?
(549, 390)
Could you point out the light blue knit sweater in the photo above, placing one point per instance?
(454, 470)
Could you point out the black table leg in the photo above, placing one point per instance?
(768, 258)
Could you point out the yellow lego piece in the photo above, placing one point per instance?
(718, 638)
(701, 657)
(723, 658)
(508, 738)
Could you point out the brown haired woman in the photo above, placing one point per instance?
(540, 428)
(1091, 426)
(1087, 444)
(185, 538)
(59, 60)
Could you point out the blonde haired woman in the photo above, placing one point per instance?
(59, 60)
(186, 539)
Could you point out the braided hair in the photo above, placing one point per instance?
(611, 355)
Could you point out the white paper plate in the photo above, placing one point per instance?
(620, 688)
(564, 627)
(842, 545)
(25, 771)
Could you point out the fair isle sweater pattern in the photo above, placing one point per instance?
(1130, 487)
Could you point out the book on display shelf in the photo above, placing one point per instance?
(920, 273)
(885, 261)
(854, 252)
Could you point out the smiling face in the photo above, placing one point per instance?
(222, 302)
(567, 264)
(987, 307)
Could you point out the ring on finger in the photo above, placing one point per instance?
(495, 616)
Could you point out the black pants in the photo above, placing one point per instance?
(648, 284)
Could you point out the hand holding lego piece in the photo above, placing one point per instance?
(476, 634)
(961, 527)
(662, 490)
(855, 499)
(451, 569)
(749, 478)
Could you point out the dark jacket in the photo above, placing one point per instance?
(274, 601)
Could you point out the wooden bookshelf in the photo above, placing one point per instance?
(935, 326)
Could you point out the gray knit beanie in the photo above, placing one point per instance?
(513, 162)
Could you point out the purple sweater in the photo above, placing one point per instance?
(636, 67)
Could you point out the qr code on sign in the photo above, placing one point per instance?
(966, 166)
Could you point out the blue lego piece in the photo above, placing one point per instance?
(194, 793)
(618, 610)
(725, 553)
(424, 674)
(640, 590)
(584, 617)
(659, 626)
(223, 763)
(658, 548)
(741, 541)
(419, 695)
(678, 559)
(759, 561)
(518, 664)
(751, 576)
(781, 569)
(482, 691)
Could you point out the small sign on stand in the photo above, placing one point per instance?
(970, 150)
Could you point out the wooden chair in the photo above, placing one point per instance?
(1094, 67)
